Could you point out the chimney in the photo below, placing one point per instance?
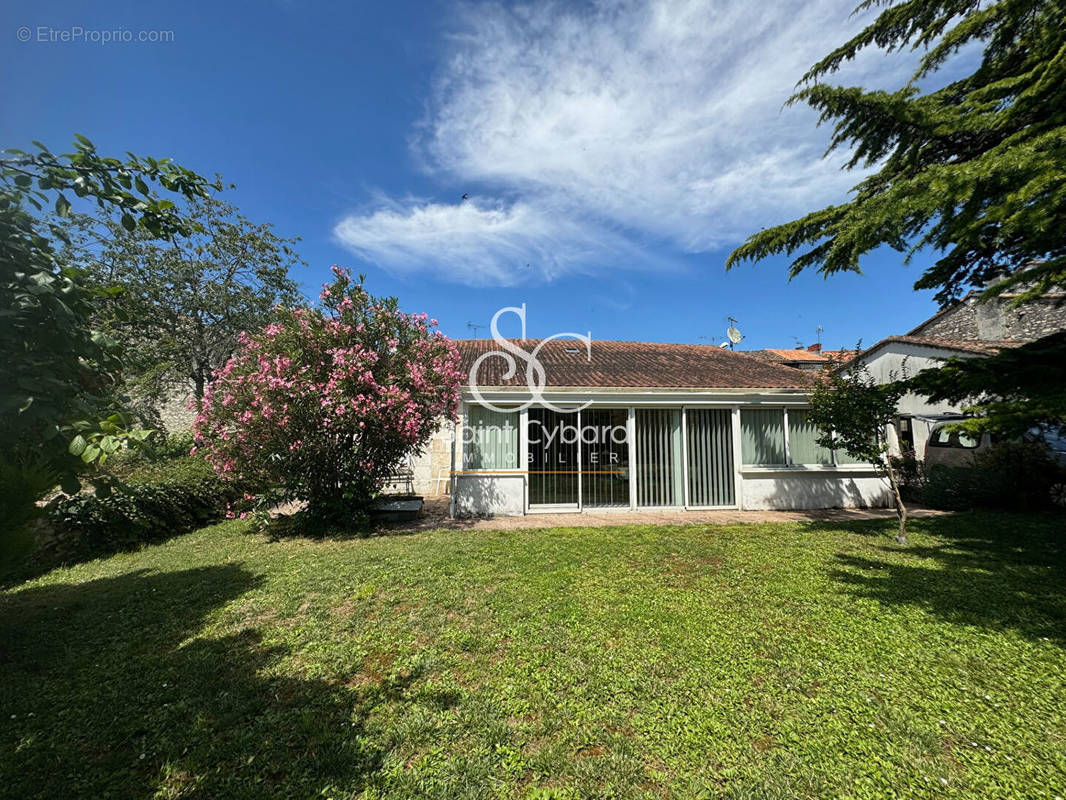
(815, 348)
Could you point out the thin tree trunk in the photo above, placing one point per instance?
(901, 510)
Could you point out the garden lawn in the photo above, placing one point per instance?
(772, 660)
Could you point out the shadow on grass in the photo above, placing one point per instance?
(997, 571)
(107, 691)
(298, 526)
(79, 548)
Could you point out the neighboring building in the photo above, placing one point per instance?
(660, 426)
(995, 321)
(967, 329)
(812, 357)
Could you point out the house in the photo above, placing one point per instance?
(639, 425)
(966, 329)
(812, 357)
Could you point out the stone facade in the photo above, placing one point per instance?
(432, 467)
(996, 321)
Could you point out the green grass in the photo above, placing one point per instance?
(786, 660)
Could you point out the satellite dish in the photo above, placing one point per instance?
(724, 344)
(734, 334)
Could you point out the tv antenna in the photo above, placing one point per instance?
(475, 328)
(709, 339)
(821, 330)
(733, 334)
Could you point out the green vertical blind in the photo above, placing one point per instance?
(762, 439)
(659, 467)
(762, 436)
(710, 456)
(491, 441)
(802, 445)
(844, 458)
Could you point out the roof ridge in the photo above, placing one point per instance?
(631, 364)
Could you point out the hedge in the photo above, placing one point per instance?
(1011, 476)
(157, 501)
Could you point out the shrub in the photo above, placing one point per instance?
(910, 474)
(1008, 475)
(161, 447)
(155, 502)
(326, 403)
(166, 446)
(950, 488)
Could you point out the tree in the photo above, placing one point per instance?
(326, 403)
(972, 170)
(54, 399)
(183, 306)
(854, 412)
(1016, 389)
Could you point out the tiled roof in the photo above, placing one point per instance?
(633, 365)
(839, 355)
(794, 354)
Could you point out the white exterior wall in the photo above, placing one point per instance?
(489, 496)
(800, 489)
(890, 362)
(757, 488)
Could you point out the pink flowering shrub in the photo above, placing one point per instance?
(325, 404)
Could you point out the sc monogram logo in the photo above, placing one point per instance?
(536, 376)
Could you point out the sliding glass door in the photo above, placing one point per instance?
(586, 459)
(553, 458)
(659, 457)
(710, 456)
(604, 458)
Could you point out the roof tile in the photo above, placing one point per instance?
(632, 365)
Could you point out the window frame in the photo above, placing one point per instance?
(468, 446)
(789, 463)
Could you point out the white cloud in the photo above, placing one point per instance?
(482, 245)
(622, 130)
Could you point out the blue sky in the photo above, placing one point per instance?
(612, 154)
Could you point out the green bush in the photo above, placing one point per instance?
(950, 488)
(171, 445)
(156, 500)
(910, 474)
(161, 448)
(1008, 475)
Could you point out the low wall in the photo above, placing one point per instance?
(794, 490)
(500, 496)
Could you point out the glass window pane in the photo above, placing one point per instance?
(802, 445)
(553, 457)
(940, 437)
(710, 456)
(762, 436)
(604, 457)
(491, 439)
(844, 458)
(659, 466)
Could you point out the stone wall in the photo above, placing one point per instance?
(995, 320)
(175, 413)
(432, 467)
